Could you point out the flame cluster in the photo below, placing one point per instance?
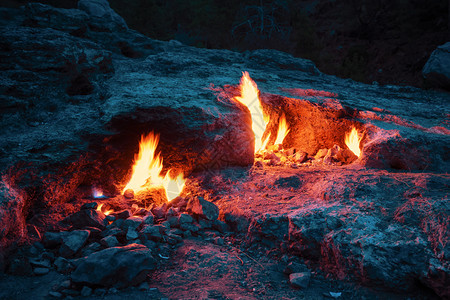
(147, 167)
(250, 98)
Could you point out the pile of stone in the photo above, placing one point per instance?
(120, 249)
(277, 156)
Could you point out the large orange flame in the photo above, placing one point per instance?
(250, 98)
(353, 141)
(283, 130)
(147, 170)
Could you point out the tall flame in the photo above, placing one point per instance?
(250, 98)
(353, 141)
(147, 170)
(283, 130)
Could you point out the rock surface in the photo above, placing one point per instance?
(117, 266)
(436, 71)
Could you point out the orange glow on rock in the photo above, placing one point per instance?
(250, 98)
(147, 169)
(99, 208)
(283, 130)
(353, 141)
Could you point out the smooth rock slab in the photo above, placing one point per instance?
(72, 242)
(115, 267)
(300, 280)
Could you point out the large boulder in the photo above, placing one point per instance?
(115, 267)
(436, 71)
(102, 15)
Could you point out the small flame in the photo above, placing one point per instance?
(99, 208)
(353, 141)
(147, 170)
(250, 98)
(97, 193)
(146, 166)
(283, 130)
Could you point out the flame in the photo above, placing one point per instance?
(353, 140)
(250, 98)
(147, 169)
(283, 130)
(99, 208)
(97, 193)
(146, 166)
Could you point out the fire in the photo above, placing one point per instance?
(250, 98)
(99, 208)
(353, 140)
(97, 193)
(146, 166)
(147, 170)
(283, 130)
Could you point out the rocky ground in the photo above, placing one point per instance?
(79, 89)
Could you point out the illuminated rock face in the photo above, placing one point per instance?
(436, 71)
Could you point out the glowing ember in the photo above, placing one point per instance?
(147, 170)
(97, 193)
(146, 166)
(99, 208)
(283, 130)
(353, 140)
(250, 98)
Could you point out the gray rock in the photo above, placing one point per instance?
(185, 218)
(89, 205)
(149, 218)
(295, 267)
(86, 291)
(436, 71)
(300, 280)
(205, 224)
(193, 228)
(113, 231)
(102, 15)
(109, 241)
(202, 208)
(282, 60)
(41, 271)
(151, 232)
(132, 234)
(91, 248)
(220, 226)
(63, 265)
(72, 242)
(118, 266)
(55, 294)
(133, 222)
(124, 214)
(52, 239)
(86, 218)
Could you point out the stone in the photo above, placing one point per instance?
(219, 241)
(109, 241)
(300, 280)
(115, 267)
(102, 16)
(205, 224)
(278, 59)
(89, 205)
(86, 218)
(86, 291)
(55, 294)
(91, 248)
(436, 72)
(52, 239)
(166, 224)
(65, 284)
(132, 234)
(193, 228)
(321, 153)
(185, 218)
(129, 194)
(72, 242)
(300, 157)
(151, 232)
(202, 208)
(295, 267)
(41, 271)
(160, 211)
(43, 263)
(173, 221)
(149, 218)
(124, 214)
(133, 222)
(62, 265)
(220, 226)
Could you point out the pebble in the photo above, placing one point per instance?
(86, 291)
(41, 271)
(55, 294)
